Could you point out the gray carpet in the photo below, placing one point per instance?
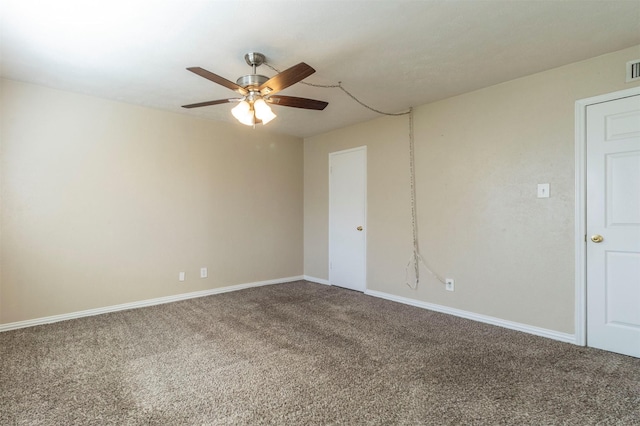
(302, 353)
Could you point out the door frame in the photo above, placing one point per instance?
(346, 151)
(581, 206)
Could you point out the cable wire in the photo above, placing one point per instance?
(416, 258)
(339, 86)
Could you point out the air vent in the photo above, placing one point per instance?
(633, 70)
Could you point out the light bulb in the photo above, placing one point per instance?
(263, 112)
(242, 112)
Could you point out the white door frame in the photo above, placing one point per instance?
(581, 206)
(344, 151)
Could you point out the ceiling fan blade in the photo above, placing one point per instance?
(217, 79)
(219, 101)
(286, 78)
(292, 101)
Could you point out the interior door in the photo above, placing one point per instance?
(613, 226)
(347, 217)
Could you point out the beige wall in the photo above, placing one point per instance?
(479, 157)
(104, 203)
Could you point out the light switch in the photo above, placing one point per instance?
(543, 190)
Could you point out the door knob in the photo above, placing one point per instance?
(597, 238)
(359, 228)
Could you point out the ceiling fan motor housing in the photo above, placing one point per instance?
(252, 80)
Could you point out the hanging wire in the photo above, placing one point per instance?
(339, 86)
(414, 222)
(416, 258)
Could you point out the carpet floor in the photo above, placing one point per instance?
(303, 353)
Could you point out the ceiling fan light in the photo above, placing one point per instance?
(263, 112)
(249, 120)
(242, 112)
(267, 117)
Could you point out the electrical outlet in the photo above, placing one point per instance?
(449, 284)
(181, 276)
(204, 273)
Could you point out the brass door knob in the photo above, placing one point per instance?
(597, 238)
(359, 228)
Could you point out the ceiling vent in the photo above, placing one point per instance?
(633, 70)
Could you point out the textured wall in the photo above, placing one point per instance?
(104, 203)
(479, 157)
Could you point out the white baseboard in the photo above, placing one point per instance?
(316, 280)
(551, 334)
(141, 304)
(543, 332)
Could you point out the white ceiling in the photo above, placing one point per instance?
(392, 54)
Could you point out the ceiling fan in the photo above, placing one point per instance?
(258, 91)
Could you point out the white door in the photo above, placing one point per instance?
(347, 214)
(613, 226)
